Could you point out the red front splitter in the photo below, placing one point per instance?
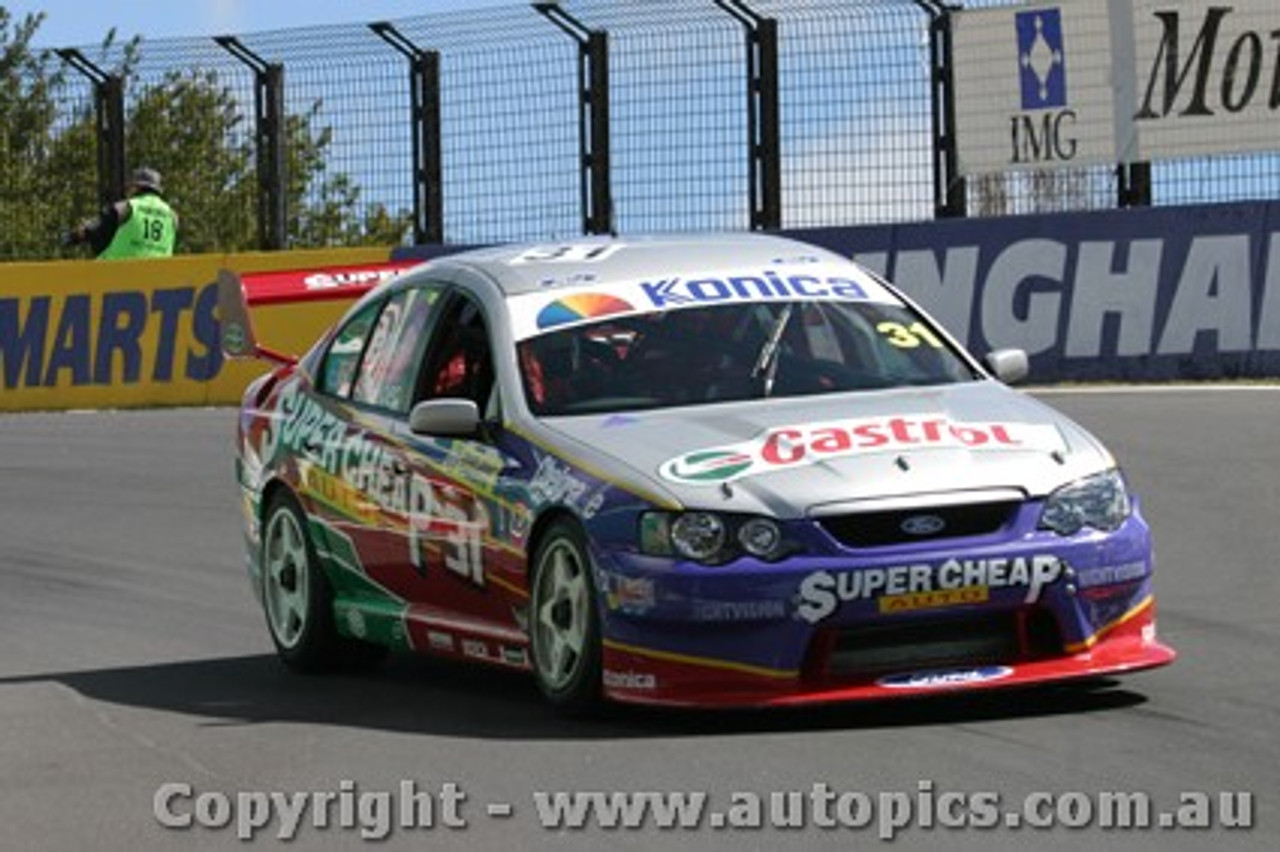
(640, 675)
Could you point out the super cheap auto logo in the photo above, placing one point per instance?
(787, 447)
(901, 588)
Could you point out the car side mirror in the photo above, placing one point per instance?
(451, 417)
(1008, 365)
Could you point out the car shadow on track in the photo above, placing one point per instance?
(416, 695)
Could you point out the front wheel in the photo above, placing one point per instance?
(564, 624)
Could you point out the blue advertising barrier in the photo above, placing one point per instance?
(1133, 295)
(1125, 295)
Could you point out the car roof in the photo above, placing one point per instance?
(530, 267)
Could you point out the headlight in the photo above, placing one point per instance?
(712, 538)
(698, 536)
(761, 537)
(1099, 501)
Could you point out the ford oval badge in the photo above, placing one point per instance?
(923, 525)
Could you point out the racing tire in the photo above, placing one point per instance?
(564, 621)
(298, 600)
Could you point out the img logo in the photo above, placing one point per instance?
(1043, 131)
(1041, 58)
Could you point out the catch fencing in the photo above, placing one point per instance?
(539, 121)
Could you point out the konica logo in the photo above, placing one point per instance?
(1042, 64)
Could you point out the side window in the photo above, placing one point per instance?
(340, 362)
(460, 362)
(395, 350)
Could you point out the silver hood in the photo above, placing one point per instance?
(795, 456)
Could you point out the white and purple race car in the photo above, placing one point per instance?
(704, 470)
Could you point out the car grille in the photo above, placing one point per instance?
(875, 649)
(877, 529)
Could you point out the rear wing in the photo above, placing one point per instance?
(240, 293)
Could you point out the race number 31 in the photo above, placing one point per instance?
(570, 253)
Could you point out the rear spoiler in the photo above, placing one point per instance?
(239, 294)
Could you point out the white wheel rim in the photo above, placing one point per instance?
(285, 578)
(560, 618)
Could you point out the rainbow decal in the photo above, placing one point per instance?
(581, 306)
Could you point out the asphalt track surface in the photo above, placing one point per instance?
(132, 655)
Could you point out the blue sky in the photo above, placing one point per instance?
(77, 23)
(848, 150)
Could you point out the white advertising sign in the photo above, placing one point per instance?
(1033, 87)
(1208, 77)
(1091, 82)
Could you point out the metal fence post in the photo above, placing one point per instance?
(764, 145)
(269, 123)
(108, 104)
(949, 189)
(1133, 184)
(424, 92)
(593, 127)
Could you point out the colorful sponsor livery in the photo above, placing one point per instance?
(765, 285)
(580, 307)
(565, 472)
(1110, 575)
(923, 585)
(575, 299)
(639, 681)
(709, 466)
(793, 446)
(945, 679)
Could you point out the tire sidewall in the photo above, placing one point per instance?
(316, 645)
(583, 691)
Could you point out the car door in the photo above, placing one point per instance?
(468, 517)
(358, 485)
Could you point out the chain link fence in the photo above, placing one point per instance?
(494, 142)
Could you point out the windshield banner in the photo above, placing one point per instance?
(558, 308)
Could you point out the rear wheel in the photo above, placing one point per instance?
(564, 622)
(297, 598)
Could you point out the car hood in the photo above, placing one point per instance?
(793, 456)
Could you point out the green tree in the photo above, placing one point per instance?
(29, 85)
(325, 208)
(191, 127)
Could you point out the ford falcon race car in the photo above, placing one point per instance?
(710, 471)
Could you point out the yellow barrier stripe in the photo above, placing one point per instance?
(143, 332)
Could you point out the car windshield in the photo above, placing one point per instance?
(728, 353)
